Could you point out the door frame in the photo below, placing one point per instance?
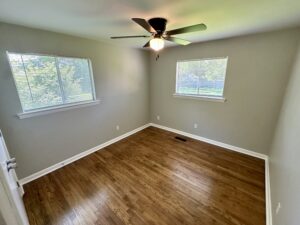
(8, 207)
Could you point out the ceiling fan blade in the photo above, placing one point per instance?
(132, 36)
(143, 23)
(197, 27)
(147, 45)
(177, 40)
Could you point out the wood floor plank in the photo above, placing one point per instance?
(151, 178)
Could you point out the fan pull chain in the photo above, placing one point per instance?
(157, 57)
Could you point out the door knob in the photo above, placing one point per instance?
(11, 166)
(12, 160)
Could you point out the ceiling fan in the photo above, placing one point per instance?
(157, 28)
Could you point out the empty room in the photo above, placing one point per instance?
(136, 112)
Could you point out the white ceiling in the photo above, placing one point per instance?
(100, 19)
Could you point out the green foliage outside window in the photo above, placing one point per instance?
(201, 77)
(45, 81)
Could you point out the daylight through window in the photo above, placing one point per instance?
(201, 77)
(46, 81)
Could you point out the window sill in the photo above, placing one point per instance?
(57, 109)
(198, 97)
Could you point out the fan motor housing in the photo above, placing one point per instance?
(159, 24)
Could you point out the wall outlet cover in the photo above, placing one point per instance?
(278, 208)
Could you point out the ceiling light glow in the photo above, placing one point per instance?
(157, 44)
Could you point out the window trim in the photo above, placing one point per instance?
(202, 97)
(217, 98)
(59, 107)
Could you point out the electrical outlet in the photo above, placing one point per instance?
(118, 127)
(195, 125)
(278, 208)
(158, 117)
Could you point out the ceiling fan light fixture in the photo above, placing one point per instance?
(157, 44)
(156, 27)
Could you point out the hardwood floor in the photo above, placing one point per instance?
(152, 178)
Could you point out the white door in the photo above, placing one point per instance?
(11, 202)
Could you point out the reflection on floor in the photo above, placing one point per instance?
(152, 178)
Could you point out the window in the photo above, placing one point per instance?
(201, 78)
(45, 81)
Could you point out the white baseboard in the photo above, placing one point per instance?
(78, 156)
(196, 137)
(237, 149)
(217, 143)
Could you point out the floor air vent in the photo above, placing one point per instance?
(180, 138)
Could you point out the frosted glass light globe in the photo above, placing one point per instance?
(157, 44)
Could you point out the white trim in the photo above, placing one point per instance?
(203, 59)
(11, 204)
(92, 79)
(201, 97)
(64, 104)
(54, 109)
(236, 149)
(217, 143)
(45, 54)
(50, 169)
(10, 216)
(196, 137)
(268, 193)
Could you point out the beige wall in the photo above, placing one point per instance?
(257, 74)
(258, 71)
(121, 80)
(285, 155)
(2, 222)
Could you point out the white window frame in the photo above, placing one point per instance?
(199, 96)
(59, 107)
